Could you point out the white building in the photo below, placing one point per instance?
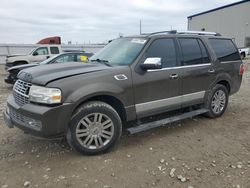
(232, 20)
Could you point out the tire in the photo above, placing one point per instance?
(95, 128)
(17, 63)
(242, 55)
(216, 101)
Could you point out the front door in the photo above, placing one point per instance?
(157, 91)
(39, 55)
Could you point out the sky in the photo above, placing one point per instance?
(94, 21)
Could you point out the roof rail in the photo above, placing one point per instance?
(199, 33)
(184, 32)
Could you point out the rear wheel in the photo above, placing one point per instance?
(242, 55)
(217, 101)
(94, 129)
(17, 63)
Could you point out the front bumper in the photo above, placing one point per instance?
(41, 121)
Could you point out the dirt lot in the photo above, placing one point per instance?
(205, 152)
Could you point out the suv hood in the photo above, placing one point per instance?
(21, 67)
(42, 75)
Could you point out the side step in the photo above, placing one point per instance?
(162, 122)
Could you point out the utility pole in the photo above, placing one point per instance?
(140, 27)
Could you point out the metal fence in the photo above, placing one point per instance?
(10, 49)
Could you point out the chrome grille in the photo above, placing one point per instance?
(21, 92)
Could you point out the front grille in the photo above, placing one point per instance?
(24, 121)
(21, 92)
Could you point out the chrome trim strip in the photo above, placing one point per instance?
(152, 105)
(225, 62)
(180, 67)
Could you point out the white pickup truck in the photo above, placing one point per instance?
(243, 52)
(37, 55)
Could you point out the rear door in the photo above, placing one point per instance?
(157, 91)
(197, 70)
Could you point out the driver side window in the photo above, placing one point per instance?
(41, 51)
(165, 49)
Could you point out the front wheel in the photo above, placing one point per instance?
(94, 129)
(217, 101)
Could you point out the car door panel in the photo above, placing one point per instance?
(42, 54)
(197, 72)
(158, 95)
(157, 91)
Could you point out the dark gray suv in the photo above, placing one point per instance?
(130, 80)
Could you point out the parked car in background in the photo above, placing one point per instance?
(243, 52)
(129, 84)
(60, 58)
(37, 55)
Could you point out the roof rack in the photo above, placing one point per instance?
(185, 32)
(199, 33)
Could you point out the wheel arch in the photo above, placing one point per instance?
(223, 79)
(20, 62)
(107, 98)
(226, 84)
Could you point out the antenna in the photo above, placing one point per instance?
(140, 27)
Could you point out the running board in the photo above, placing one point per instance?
(163, 122)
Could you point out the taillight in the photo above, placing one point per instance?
(241, 69)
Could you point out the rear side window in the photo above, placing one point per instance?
(225, 49)
(165, 49)
(54, 50)
(194, 51)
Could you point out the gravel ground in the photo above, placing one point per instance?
(196, 153)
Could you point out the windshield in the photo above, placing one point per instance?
(121, 51)
(47, 61)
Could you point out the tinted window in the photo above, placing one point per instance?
(54, 50)
(65, 58)
(205, 57)
(191, 51)
(165, 49)
(225, 49)
(42, 51)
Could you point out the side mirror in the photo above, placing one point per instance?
(152, 63)
(35, 54)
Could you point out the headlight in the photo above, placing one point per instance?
(45, 95)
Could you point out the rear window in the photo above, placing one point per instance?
(225, 49)
(54, 50)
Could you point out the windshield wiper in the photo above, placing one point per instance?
(103, 61)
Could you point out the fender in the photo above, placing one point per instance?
(96, 89)
(222, 77)
(219, 77)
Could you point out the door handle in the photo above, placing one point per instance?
(211, 71)
(47, 57)
(174, 76)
